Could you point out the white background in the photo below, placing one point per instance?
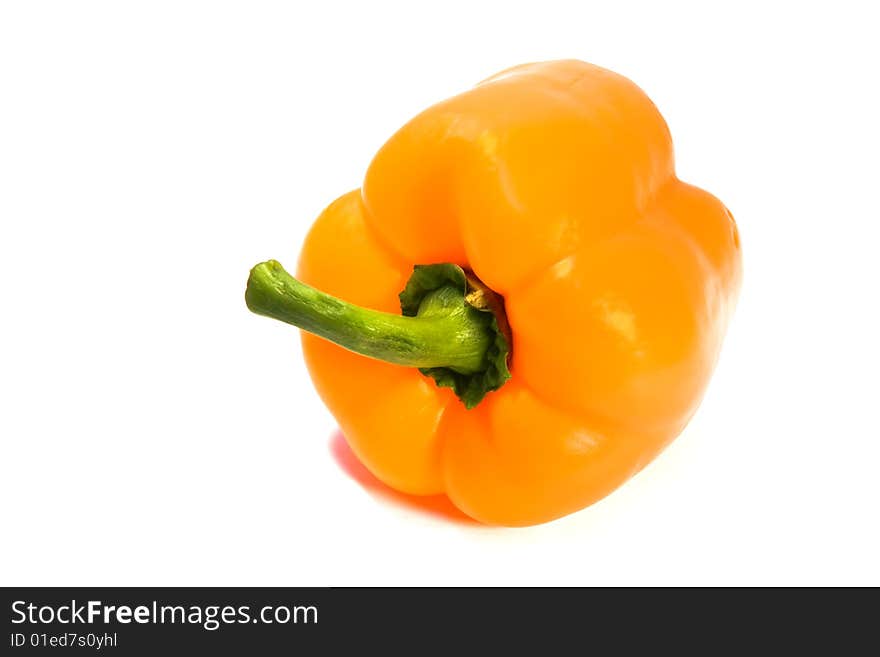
(154, 432)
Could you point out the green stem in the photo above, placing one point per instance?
(446, 332)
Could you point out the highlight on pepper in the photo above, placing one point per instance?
(523, 305)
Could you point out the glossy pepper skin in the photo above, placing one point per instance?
(554, 183)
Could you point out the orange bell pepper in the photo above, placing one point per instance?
(600, 279)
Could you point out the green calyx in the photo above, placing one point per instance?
(482, 307)
(452, 328)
